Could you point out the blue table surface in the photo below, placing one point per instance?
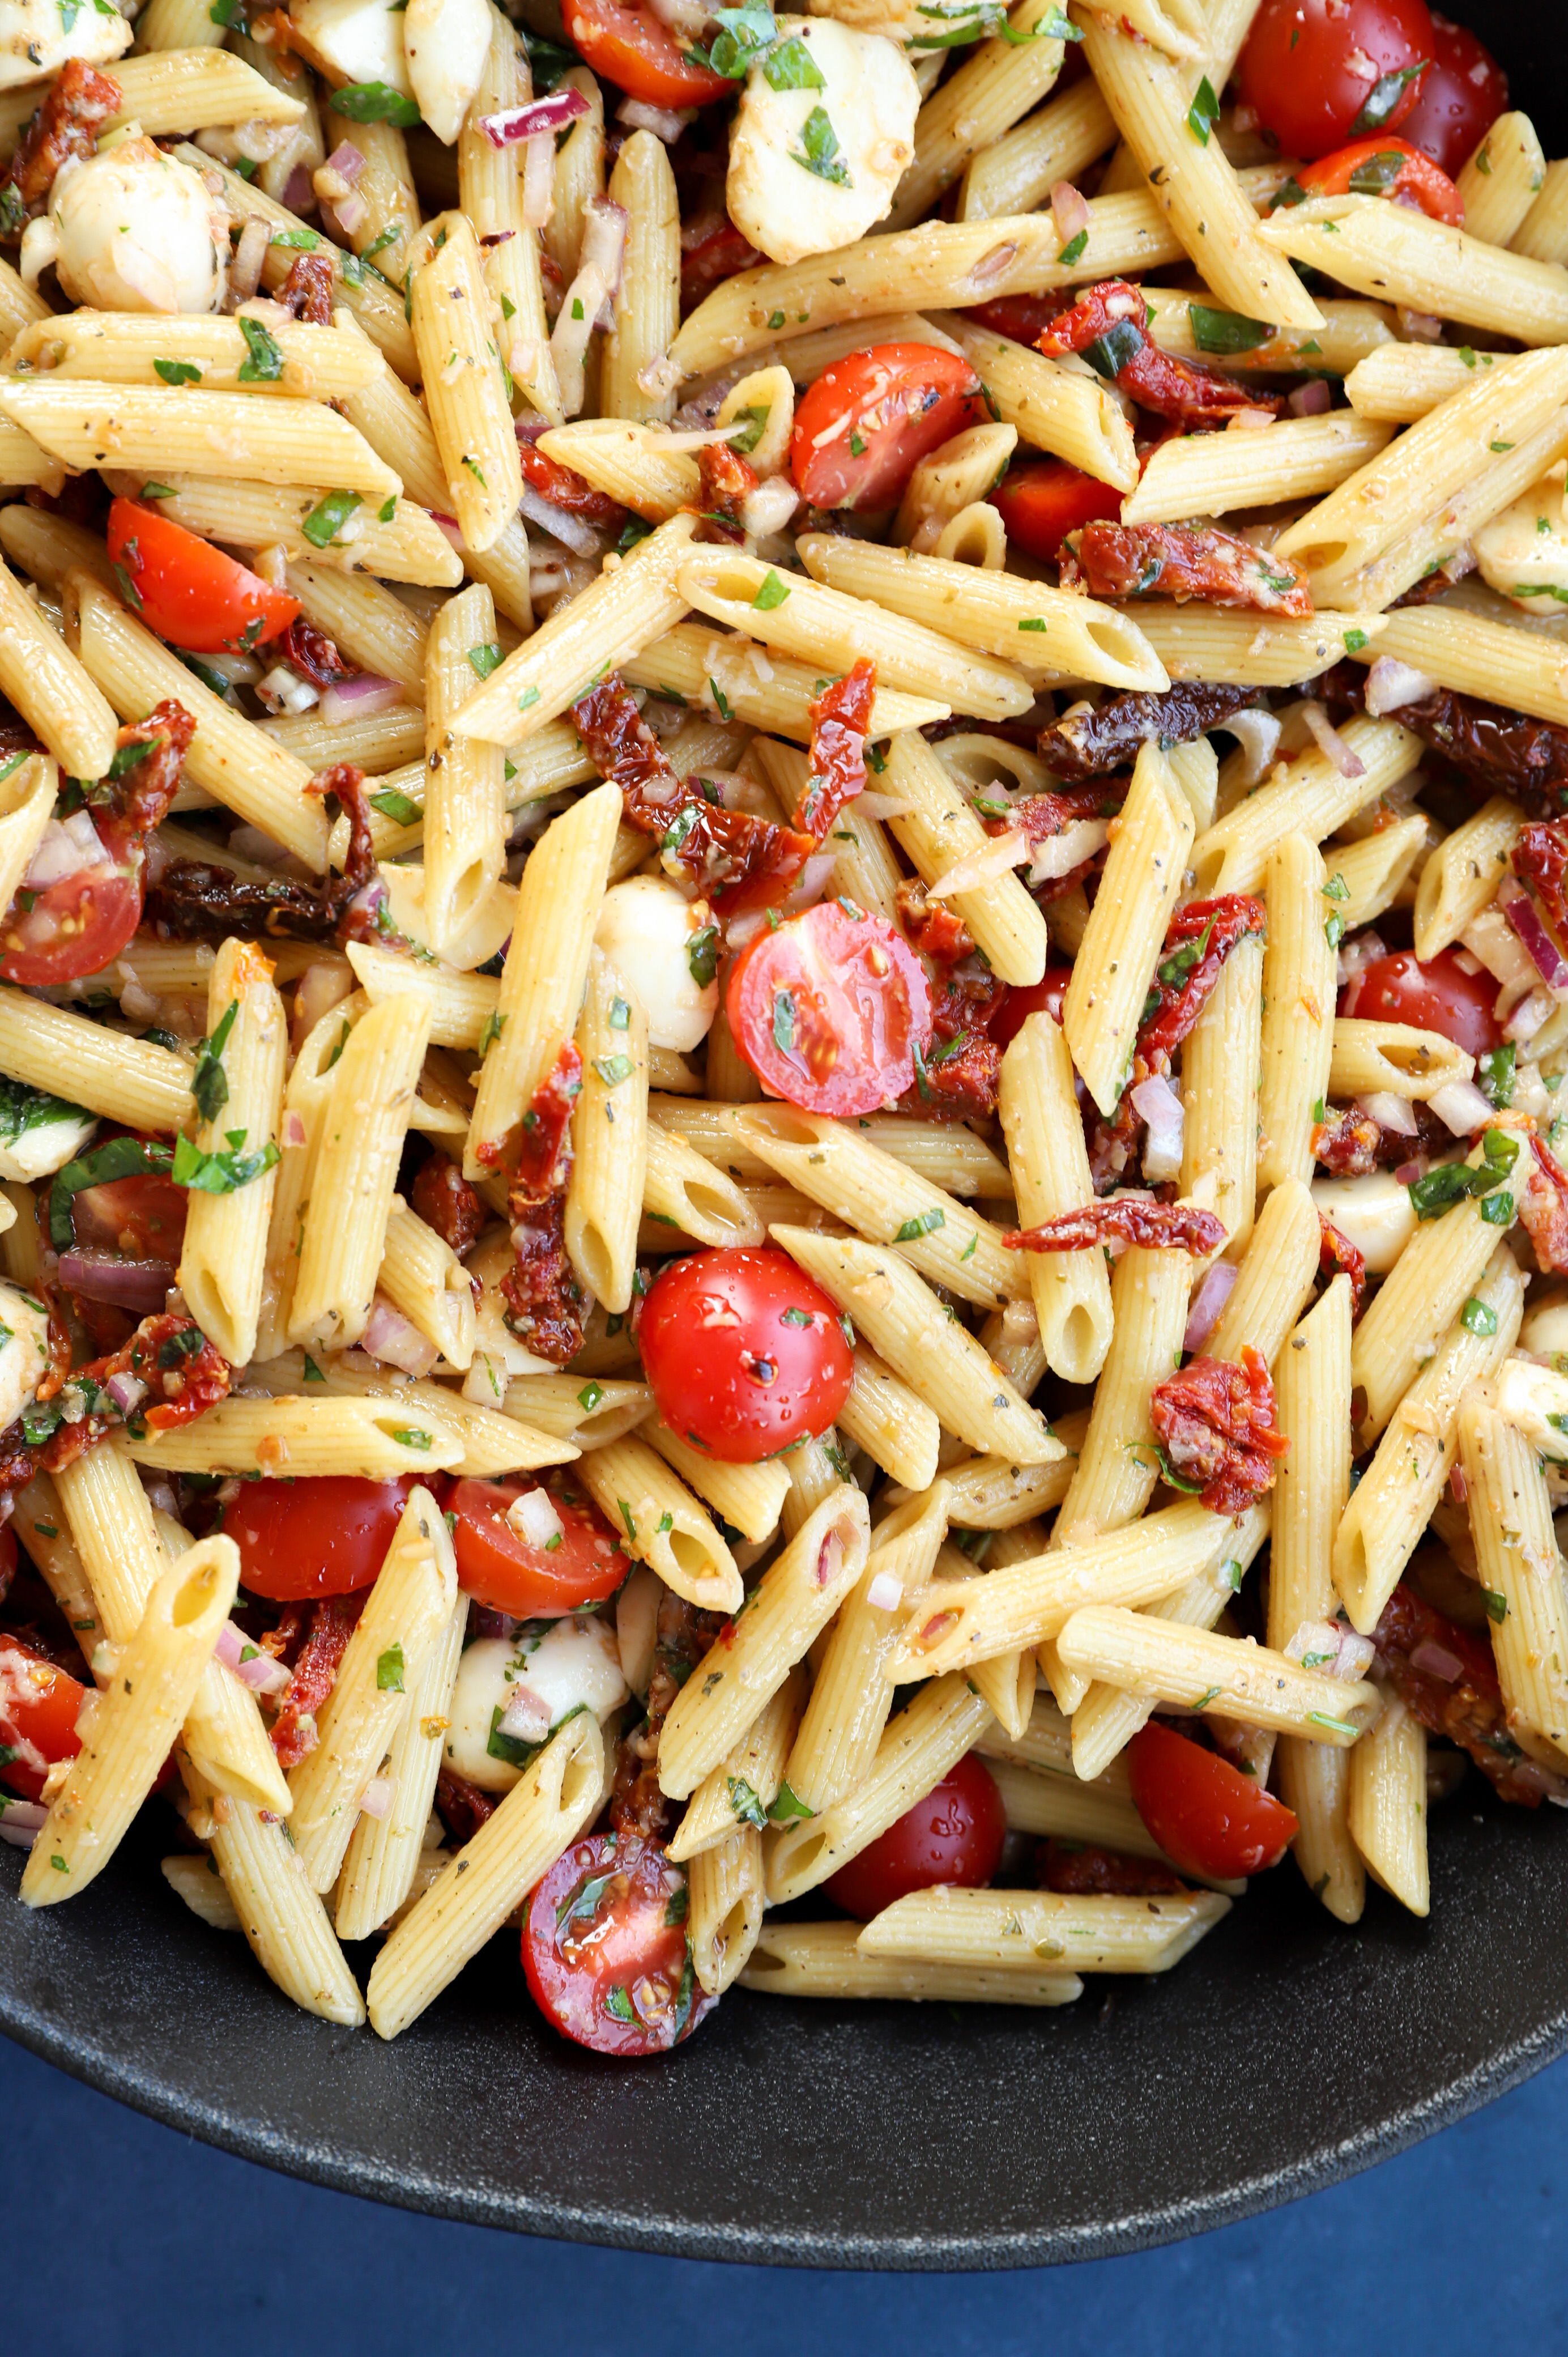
(129, 2240)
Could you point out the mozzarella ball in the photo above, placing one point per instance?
(811, 168)
(354, 40)
(35, 41)
(445, 43)
(566, 1665)
(1374, 1213)
(1523, 552)
(24, 1353)
(646, 929)
(135, 230)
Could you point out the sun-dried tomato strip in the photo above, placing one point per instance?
(840, 717)
(308, 289)
(725, 481)
(1541, 858)
(309, 651)
(1543, 1209)
(564, 488)
(1183, 561)
(74, 111)
(1088, 744)
(1468, 1708)
(544, 1300)
(1198, 940)
(444, 1201)
(197, 900)
(1135, 1219)
(1067, 1866)
(1337, 1255)
(1109, 323)
(1503, 751)
(1214, 1422)
(332, 1623)
(184, 1376)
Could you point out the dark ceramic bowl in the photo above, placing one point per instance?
(1288, 2051)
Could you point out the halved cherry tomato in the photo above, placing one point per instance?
(1310, 68)
(829, 1011)
(141, 1218)
(953, 1836)
(1438, 995)
(1040, 505)
(1029, 999)
(1459, 99)
(632, 49)
(1207, 1816)
(189, 592)
(74, 926)
(324, 1535)
(1385, 167)
(500, 1568)
(745, 1353)
(605, 1949)
(38, 1706)
(868, 421)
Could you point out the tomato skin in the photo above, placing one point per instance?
(1309, 66)
(1458, 101)
(75, 926)
(1040, 505)
(1419, 180)
(953, 1835)
(505, 1572)
(1029, 999)
(1438, 995)
(631, 47)
(900, 401)
(38, 1704)
(142, 1218)
(1208, 1817)
(829, 1009)
(324, 1535)
(624, 1951)
(711, 1327)
(189, 592)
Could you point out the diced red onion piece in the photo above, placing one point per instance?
(321, 987)
(293, 1131)
(1311, 399)
(547, 115)
(526, 1717)
(377, 1798)
(997, 856)
(1329, 742)
(1155, 1102)
(346, 159)
(1529, 1016)
(1437, 1662)
(136, 1285)
(1527, 922)
(1389, 1112)
(815, 877)
(533, 1518)
(21, 1822)
(1355, 1657)
(67, 846)
(1392, 684)
(1209, 1303)
(1419, 327)
(1059, 855)
(350, 211)
(885, 1592)
(829, 1558)
(1409, 1172)
(359, 698)
(126, 1390)
(1249, 421)
(485, 1621)
(992, 263)
(1069, 210)
(1460, 1107)
(1494, 940)
(883, 806)
(395, 1341)
(299, 195)
(666, 123)
(245, 269)
(262, 1673)
(569, 530)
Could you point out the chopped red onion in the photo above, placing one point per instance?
(299, 195)
(885, 1592)
(283, 689)
(526, 1717)
(67, 846)
(551, 113)
(1495, 941)
(882, 806)
(1311, 399)
(391, 1339)
(597, 281)
(245, 268)
(293, 1131)
(357, 698)
(1437, 1662)
(1460, 1107)
(569, 530)
(1069, 210)
(1209, 1303)
(1329, 742)
(321, 987)
(1392, 684)
(21, 1822)
(1389, 1112)
(830, 1558)
(349, 212)
(1354, 1658)
(1526, 921)
(126, 1390)
(134, 1285)
(377, 1798)
(258, 1670)
(1318, 1638)
(1526, 1019)
(1249, 421)
(346, 159)
(1409, 1172)
(666, 123)
(1157, 1104)
(533, 1518)
(996, 857)
(992, 263)
(1418, 326)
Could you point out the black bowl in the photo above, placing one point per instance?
(1286, 2052)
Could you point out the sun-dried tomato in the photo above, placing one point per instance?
(1107, 324)
(184, 1376)
(1466, 1707)
(1215, 1423)
(708, 263)
(146, 788)
(309, 651)
(197, 900)
(307, 291)
(1335, 1256)
(1349, 1144)
(1544, 1208)
(464, 1807)
(1135, 1219)
(1067, 1866)
(444, 1201)
(1088, 744)
(724, 484)
(544, 1300)
(79, 101)
(564, 488)
(932, 928)
(1198, 940)
(332, 1623)
(839, 718)
(1183, 561)
(1541, 860)
(683, 1635)
(1504, 751)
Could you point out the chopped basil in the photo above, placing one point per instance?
(772, 593)
(793, 1317)
(485, 659)
(1374, 175)
(389, 1671)
(313, 1373)
(744, 1806)
(703, 956)
(399, 807)
(375, 102)
(613, 1069)
(1226, 331)
(1479, 1318)
(1109, 354)
(329, 514)
(787, 1810)
(819, 150)
(1383, 98)
(120, 1158)
(263, 361)
(1203, 115)
(210, 1082)
(490, 1034)
(1496, 1603)
(590, 1395)
(792, 65)
(1073, 249)
(1454, 1182)
(177, 372)
(23, 1109)
(1496, 1073)
(783, 1021)
(1355, 641)
(1034, 623)
(223, 1173)
(924, 1223)
(412, 1437)
(625, 1518)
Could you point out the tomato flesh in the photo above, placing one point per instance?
(868, 421)
(1438, 995)
(38, 1706)
(1040, 505)
(1417, 180)
(953, 1835)
(324, 1535)
(604, 1947)
(141, 1218)
(829, 1009)
(189, 592)
(631, 47)
(1310, 66)
(1031, 998)
(1207, 1815)
(1459, 99)
(501, 1568)
(74, 926)
(745, 1353)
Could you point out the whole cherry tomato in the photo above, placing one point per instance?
(501, 1565)
(605, 1949)
(324, 1535)
(1458, 100)
(189, 592)
(954, 1834)
(745, 1353)
(1208, 1816)
(1438, 995)
(868, 421)
(1319, 73)
(829, 1009)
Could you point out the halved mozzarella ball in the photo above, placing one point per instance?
(825, 127)
(132, 229)
(1374, 1213)
(647, 931)
(1523, 552)
(445, 43)
(38, 1134)
(37, 37)
(24, 1353)
(354, 40)
(570, 1665)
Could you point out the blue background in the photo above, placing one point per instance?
(126, 2239)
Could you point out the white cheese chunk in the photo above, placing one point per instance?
(132, 229)
(445, 43)
(812, 167)
(354, 40)
(1374, 1213)
(24, 1352)
(1523, 552)
(646, 929)
(37, 37)
(568, 1664)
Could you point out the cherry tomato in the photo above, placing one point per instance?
(1207, 1816)
(604, 1947)
(75, 926)
(189, 592)
(1029, 999)
(829, 1011)
(954, 1835)
(324, 1535)
(1310, 67)
(745, 1353)
(868, 421)
(632, 49)
(141, 1218)
(1366, 168)
(1040, 505)
(1459, 99)
(39, 1705)
(500, 1566)
(707, 266)
(1437, 997)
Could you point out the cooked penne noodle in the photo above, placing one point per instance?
(124, 348)
(28, 798)
(132, 1081)
(1297, 1026)
(1478, 658)
(1254, 650)
(83, 423)
(1195, 1668)
(664, 1524)
(1308, 795)
(1396, 1058)
(1103, 1002)
(409, 547)
(1020, 1931)
(693, 663)
(465, 792)
(606, 1191)
(1298, 459)
(1376, 872)
(384, 1853)
(490, 185)
(491, 1442)
(1051, 407)
(648, 309)
(1423, 265)
(46, 682)
(1315, 1783)
(1518, 1563)
(938, 832)
(1463, 874)
(824, 1960)
(997, 82)
(1017, 172)
(1543, 236)
(681, 1189)
(748, 1779)
(748, 1497)
(1387, 1813)
(1397, 383)
(1502, 180)
(886, 1417)
(363, 1123)
(222, 1261)
(469, 415)
(1070, 1291)
(945, 1154)
(725, 1904)
(1221, 1075)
